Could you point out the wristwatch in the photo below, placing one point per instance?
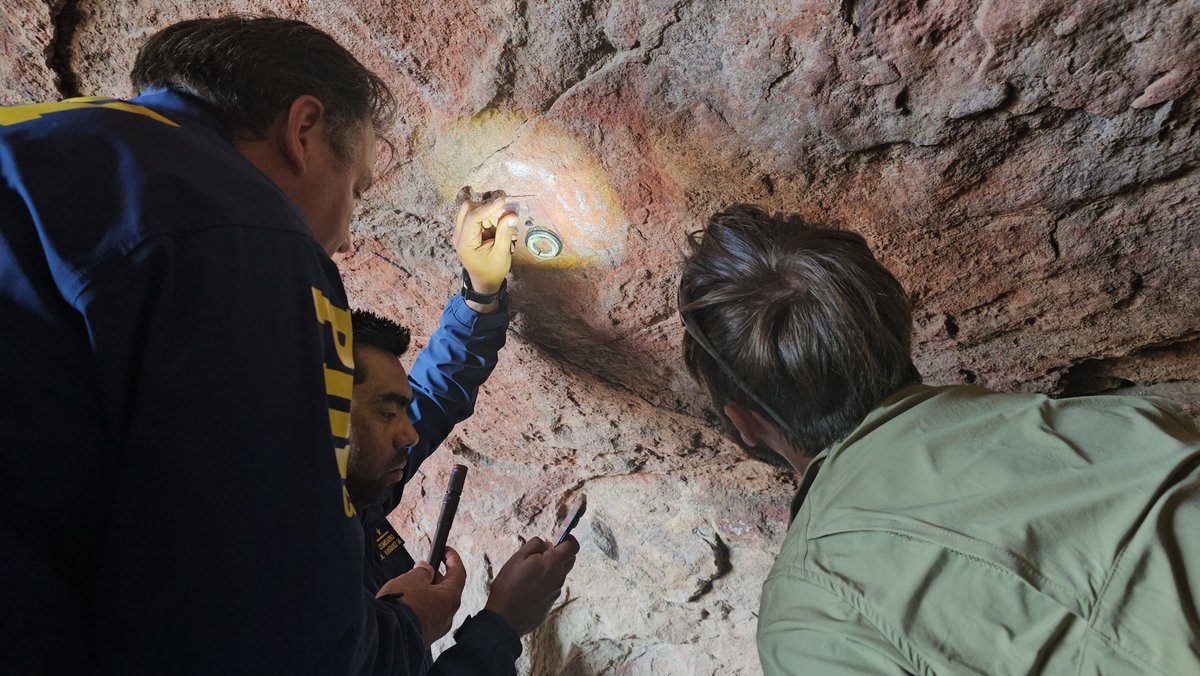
(481, 298)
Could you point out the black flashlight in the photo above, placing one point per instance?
(458, 477)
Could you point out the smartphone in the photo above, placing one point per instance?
(577, 511)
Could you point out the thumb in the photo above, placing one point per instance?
(456, 572)
(509, 220)
(506, 231)
(424, 571)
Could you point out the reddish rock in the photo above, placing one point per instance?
(28, 53)
(1027, 169)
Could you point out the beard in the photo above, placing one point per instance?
(366, 493)
(365, 488)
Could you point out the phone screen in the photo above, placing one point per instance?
(572, 519)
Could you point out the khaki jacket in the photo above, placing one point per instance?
(962, 531)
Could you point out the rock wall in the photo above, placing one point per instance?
(1028, 169)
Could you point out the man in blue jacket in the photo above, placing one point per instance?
(177, 354)
(397, 421)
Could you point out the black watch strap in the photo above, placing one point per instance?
(481, 298)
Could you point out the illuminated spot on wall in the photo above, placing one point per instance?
(571, 193)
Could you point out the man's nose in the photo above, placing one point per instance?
(407, 435)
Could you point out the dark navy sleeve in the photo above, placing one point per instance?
(446, 375)
(483, 646)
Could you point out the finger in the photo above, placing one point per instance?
(562, 557)
(476, 222)
(506, 231)
(508, 223)
(566, 566)
(509, 218)
(464, 195)
(456, 572)
(470, 203)
(487, 233)
(535, 545)
(558, 568)
(488, 212)
(458, 223)
(423, 571)
(567, 548)
(464, 203)
(470, 233)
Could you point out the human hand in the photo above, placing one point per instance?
(433, 601)
(530, 581)
(485, 237)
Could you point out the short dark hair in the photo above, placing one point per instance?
(802, 314)
(247, 70)
(380, 333)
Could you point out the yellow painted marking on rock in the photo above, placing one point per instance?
(571, 192)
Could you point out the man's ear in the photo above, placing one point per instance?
(300, 126)
(749, 425)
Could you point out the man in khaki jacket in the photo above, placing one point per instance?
(938, 530)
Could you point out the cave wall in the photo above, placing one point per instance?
(1027, 169)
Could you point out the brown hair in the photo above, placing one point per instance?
(804, 315)
(247, 70)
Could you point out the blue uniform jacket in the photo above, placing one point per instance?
(445, 380)
(175, 353)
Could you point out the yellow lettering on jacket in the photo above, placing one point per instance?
(338, 383)
(343, 460)
(339, 422)
(11, 115)
(339, 321)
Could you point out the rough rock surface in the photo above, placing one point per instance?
(1027, 169)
